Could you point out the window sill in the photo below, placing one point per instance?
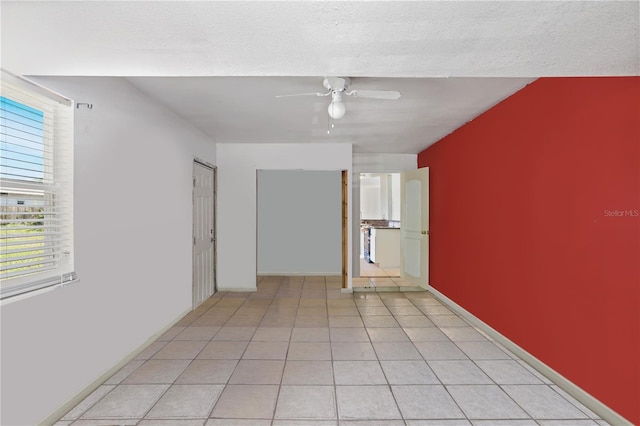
(28, 294)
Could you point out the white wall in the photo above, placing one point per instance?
(133, 168)
(383, 163)
(373, 163)
(236, 215)
(299, 222)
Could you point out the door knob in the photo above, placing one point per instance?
(424, 232)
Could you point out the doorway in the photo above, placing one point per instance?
(411, 239)
(204, 232)
(380, 214)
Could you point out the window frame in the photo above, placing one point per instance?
(55, 190)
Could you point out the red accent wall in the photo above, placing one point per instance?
(535, 229)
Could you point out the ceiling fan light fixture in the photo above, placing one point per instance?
(336, 110)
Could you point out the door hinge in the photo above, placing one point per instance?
(194, 241)
(194, 182)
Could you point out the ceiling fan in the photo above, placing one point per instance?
(338, 87)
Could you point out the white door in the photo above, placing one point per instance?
(203, 233)
(414, 227)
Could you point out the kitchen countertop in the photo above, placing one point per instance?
(385, 227)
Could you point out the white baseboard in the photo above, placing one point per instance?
(572, 389)
(237, 289)
(77, 398)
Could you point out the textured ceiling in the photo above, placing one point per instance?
(244, 109)
(229, 59)
(310, 38)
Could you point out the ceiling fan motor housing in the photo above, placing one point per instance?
(336, 84)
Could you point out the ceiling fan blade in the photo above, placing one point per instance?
(304, 94)
(391, 95)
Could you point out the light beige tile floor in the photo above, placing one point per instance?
(300, 352)
(368, 269)
(373, 278)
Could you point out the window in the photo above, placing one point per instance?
(36, 188)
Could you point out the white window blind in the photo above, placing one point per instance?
(36, 187)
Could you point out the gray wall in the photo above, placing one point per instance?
(299, 224)
(55, 344)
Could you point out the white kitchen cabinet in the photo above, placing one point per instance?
(380, 196)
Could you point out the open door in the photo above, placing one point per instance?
(414, 227)
(204, 237)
